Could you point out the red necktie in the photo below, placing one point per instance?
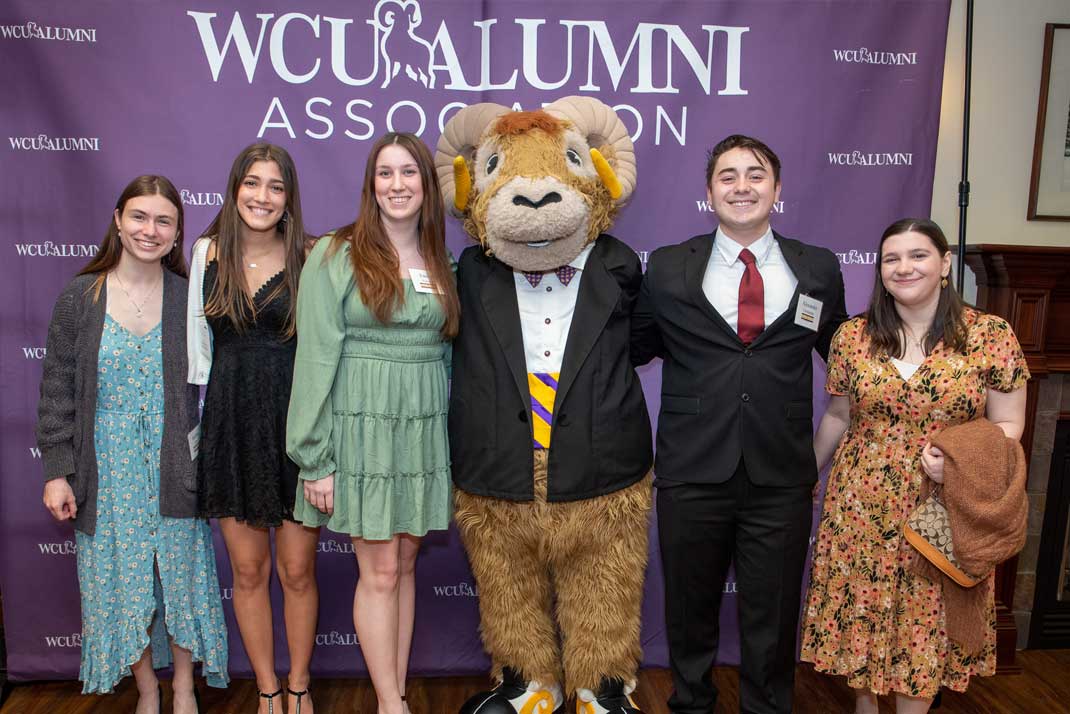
(751, 319)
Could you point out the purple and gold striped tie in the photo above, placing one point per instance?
(543, 388)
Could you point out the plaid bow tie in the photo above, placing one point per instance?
(565, 274)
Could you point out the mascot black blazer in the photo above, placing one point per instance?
(600, 441)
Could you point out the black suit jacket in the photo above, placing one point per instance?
(600, 440)
(722, 400)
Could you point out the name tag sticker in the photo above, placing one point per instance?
(808, 314)
(421, 280)
(194, 439)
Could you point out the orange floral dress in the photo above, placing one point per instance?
(867, 616)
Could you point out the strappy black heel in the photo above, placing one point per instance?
(299, 695)
(271, 699)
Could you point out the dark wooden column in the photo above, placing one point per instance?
(1029, 286)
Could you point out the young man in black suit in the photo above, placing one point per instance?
(735, 316)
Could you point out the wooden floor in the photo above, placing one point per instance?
(1043, 688)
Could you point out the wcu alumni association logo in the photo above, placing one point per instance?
(67, 547)
(72, 640)
(336, 639)
(48, 249)
(32, 31)
(396, 46)
(201, 198)
(393, 45)
(855, 257)
(461, 589)
(857, 157)
(330, 545)
(44, 142)
(864, 55)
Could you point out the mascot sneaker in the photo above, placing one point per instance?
(613, 697)
(515, 696)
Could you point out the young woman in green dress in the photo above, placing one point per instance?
(376, 309)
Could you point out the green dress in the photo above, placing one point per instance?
(369, 404)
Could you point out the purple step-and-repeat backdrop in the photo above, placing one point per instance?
(847, 92)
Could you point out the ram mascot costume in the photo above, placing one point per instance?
(549, 433)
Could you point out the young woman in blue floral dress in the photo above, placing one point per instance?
(114, 426)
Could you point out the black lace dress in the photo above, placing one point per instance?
(243, 468)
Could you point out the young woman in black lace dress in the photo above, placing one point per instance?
(242, 341)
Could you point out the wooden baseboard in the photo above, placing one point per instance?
(1006, 641)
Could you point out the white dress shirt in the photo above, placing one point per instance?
(724, 271)
(546, 315)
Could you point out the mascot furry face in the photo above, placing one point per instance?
(534, 188)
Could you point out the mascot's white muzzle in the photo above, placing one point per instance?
(536, 213)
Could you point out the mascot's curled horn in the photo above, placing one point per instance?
(549, 432)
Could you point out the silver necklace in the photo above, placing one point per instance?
(138, 308)
(908, 335)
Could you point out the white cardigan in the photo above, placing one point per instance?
(198, 334)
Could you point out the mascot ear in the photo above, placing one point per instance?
(611, 146)
(457, 148)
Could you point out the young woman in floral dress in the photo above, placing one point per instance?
(917, 362)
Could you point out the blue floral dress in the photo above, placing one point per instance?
(141, 572)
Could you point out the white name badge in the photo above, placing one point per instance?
(808, 314)
(421, 281)
(194, 439)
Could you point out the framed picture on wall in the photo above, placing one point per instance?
(1049, 187)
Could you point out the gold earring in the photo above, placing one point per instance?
(943, 283)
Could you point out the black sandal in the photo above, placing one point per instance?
(271, 699)
(298, 695)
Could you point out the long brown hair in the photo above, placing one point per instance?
(375, 262)
(883, 324)
(229, 296)
(111, 248)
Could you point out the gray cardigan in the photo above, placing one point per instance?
(67, 410)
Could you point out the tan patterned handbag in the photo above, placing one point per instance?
(928, 529)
